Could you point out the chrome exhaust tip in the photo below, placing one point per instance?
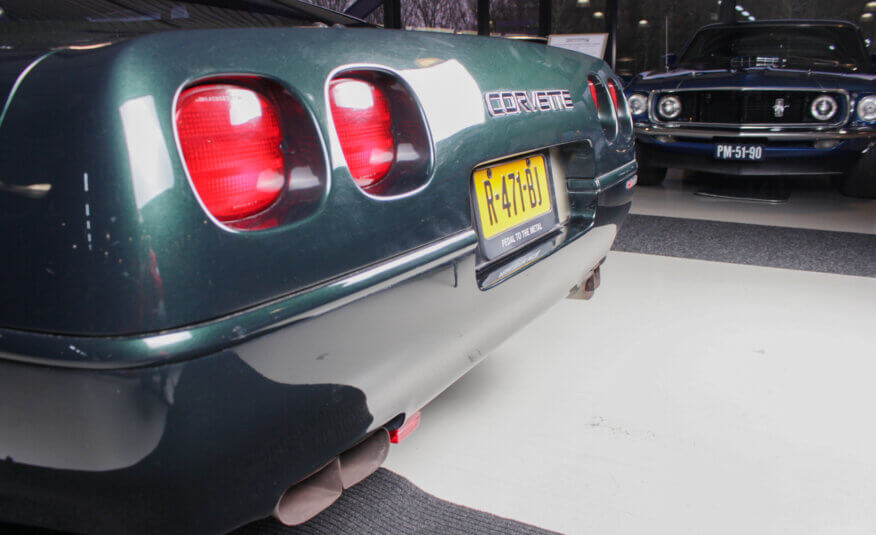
(308, 498)
(586, 289)
(364, 459)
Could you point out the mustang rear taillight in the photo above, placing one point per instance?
(363, 120)
(231, 140)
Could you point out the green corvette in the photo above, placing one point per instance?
(245, 241)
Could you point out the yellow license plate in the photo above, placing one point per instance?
(511, 193)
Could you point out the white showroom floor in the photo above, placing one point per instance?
(687, 396)
(814, 204)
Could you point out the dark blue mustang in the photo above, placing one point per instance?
(782, 97)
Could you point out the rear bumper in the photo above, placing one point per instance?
(208, 432)
(785, 153)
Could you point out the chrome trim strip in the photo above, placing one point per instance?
(655, 93)
(193, 341)
(618, 174)
(748, 88)
(20, 79)
(711, 133)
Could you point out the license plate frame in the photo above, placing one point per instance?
(495, 239)
(738, 152)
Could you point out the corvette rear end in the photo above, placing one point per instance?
(234, 255)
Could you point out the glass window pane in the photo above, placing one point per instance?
(447, 15)
(514, 17)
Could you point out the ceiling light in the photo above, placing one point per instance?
(643, 22)
(598, 15)
(739, 8)
(867, 17)
(583, 3)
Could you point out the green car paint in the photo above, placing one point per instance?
(91, 239)
(162, 373)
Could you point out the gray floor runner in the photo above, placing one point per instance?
(387, 503)
(845, 253)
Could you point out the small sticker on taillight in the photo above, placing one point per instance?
(231, 141)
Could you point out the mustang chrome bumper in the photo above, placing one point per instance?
(775, 135)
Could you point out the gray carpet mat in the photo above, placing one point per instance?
(844, 253)
(387, 503)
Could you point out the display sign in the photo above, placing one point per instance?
(592, 44)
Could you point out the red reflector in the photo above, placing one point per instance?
(231, 141)
(411, 423)
(364, 123)
(593, 94)
(613, 91)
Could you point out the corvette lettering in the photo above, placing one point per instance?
(501, 103)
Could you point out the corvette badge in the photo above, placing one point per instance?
(501, 103)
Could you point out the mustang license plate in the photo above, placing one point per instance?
(514, 202)
(732, 151)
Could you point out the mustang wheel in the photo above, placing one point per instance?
(860, 181)
(651, 176)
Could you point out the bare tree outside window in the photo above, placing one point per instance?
(455, 15)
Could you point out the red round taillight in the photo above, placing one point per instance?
(621, 110)
(231, 142)
(362, 117)
(604, 93)
(612, 90)
(593, 93)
